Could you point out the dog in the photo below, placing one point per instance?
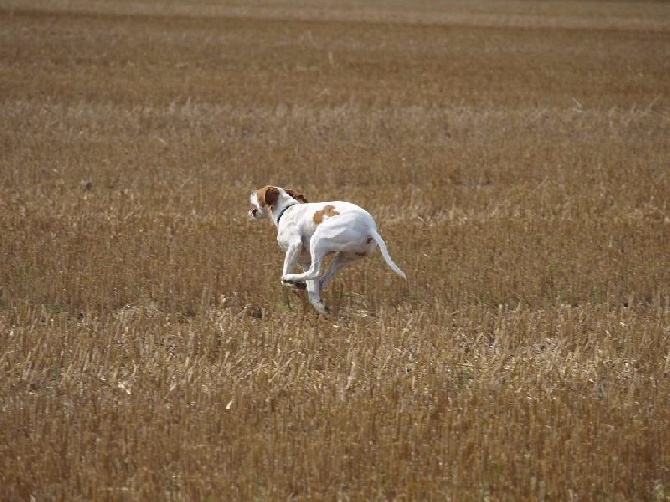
(308, 232)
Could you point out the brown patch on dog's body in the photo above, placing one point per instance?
(326, 212)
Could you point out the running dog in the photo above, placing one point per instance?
(309, 232)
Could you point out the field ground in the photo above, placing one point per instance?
(517, 158)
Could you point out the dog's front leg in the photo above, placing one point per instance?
(290, 261)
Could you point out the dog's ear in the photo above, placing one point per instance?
(297, 195)
(268, 195)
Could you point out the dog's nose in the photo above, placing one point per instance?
(252, 212)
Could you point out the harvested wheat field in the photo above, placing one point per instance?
(516, 156)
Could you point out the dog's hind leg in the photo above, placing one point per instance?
(338, 263)
(314, 295)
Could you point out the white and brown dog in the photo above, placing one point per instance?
(308, 232)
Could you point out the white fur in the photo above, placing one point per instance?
(344, 229)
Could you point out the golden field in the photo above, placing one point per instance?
(516, 156)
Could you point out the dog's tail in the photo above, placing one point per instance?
(385, 253)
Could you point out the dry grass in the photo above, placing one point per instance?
(516, 157)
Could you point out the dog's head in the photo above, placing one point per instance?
(266, 199)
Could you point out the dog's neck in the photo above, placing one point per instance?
(281, 213)
(282, 207)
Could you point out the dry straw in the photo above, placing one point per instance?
(519, 176)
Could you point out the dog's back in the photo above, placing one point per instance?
(332, 217)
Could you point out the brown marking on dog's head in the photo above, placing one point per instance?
(296, 195)
(326, 212)
(268, 195)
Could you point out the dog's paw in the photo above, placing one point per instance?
(294, 284)
(322, 309)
